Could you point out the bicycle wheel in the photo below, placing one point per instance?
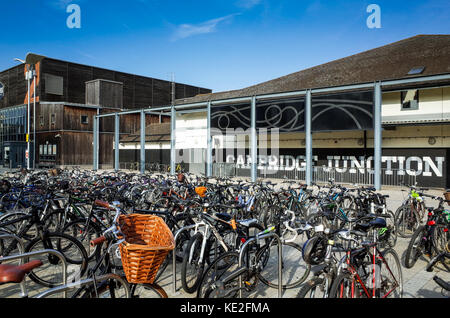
(416, 247)
(182, 242)
(192, 267)
(440, 238)
(294, 269)
(314, 288)
(84, 234)
(16, 227)
(407, 221)
(388, 236)
(346, 286)
(51, 273)
(211, 285)
(106, 289)
(391, 278)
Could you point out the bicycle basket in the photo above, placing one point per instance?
(148, 240)
(201, 191)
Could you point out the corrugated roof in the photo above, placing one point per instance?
(389, 62)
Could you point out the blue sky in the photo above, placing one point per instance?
(218, 44)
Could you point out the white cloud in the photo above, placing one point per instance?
(62, 4)
(187, 30)
(248, 4)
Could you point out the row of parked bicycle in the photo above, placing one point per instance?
(89, 234)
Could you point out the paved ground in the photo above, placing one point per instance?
(417, 282)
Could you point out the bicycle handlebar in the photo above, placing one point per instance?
(98, 241)
(104, 204)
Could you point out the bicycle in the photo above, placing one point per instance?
(431, 238)
(113, 237)
(222, 229)
(365, 271)
(411, 212)
(70, 247)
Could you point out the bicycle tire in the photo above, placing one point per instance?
(310, 287)
(412, 254)
(403, 224)
(293, 275)
(440, 238)
(104, 289)
(81, 263)
(77, 229)
(345, 283)
(216, 270)
(391, 271)
(191, 282)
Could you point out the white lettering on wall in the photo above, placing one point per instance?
(413, 165)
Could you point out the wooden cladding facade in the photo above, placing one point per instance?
(69, 95)
(138, 91)
(15, 86)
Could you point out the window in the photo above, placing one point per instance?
(53, 119)
(416, 70)
(41, 121)
(54, 84)
(410, 99)
(84, 119)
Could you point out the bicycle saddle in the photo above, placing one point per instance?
(16, 273)
(374, 224)
(224, 216)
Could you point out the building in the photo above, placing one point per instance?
(68, 95)
(415, 117)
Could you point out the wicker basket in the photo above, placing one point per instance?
(148, 240)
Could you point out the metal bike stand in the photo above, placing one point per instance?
(41, 252)
(23, 285)
(174, 256)
(280, 257)
(84, 282)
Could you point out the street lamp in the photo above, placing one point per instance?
(31, 60)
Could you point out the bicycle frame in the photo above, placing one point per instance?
(375, 255)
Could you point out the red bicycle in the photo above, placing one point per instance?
(365, 271)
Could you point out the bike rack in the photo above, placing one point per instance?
(30, 254)
(280, 257)
(89, 281)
